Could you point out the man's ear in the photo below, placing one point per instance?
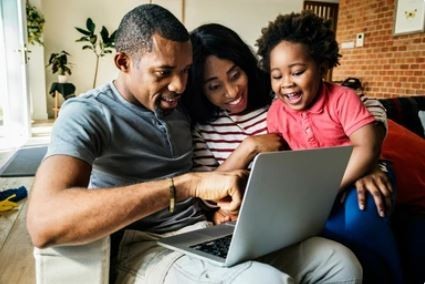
(122, 61)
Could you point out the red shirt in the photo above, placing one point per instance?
(336, 114)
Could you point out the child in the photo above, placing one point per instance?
(297, 50)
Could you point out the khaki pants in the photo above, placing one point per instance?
(316, 260)
(73, 264)
(141, 260)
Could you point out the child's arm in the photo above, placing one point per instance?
(366, 149)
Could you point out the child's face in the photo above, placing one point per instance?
(225, 84)
(295, 76)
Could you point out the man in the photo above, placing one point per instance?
(129, 141)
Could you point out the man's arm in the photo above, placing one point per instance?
(63, 211)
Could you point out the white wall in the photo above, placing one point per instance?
(37, 79)
(246, 17)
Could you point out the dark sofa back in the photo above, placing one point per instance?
(404, 111)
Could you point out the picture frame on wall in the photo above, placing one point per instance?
(409, 17)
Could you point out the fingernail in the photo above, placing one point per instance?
(361, 206)
(381, 213)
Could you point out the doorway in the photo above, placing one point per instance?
(14, 96)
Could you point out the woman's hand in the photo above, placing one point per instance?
(265, 143)
(249, 148)
(379, 186)
(220, 216)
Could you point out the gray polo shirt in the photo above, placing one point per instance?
(127, 144)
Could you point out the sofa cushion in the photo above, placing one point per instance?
(405, 111)
(406, 151)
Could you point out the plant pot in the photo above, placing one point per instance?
(62, 78)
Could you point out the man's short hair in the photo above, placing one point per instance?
(137, 27)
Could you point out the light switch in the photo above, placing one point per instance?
(347, 44)
(359, 39)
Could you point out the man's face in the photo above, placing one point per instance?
(156, 79)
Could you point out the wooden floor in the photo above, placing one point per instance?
(16, 250)
(16, 259)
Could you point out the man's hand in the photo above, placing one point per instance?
(224, 188)
(378, 185)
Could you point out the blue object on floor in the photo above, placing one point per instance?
(20, 192)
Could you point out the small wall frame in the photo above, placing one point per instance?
(409, 17)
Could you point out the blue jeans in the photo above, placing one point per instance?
(368, 235)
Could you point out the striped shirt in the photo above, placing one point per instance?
(215, 141)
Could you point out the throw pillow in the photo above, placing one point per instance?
(406, 151)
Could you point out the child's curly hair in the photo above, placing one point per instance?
(305, 28)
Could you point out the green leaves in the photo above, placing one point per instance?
(58, 62)
(90, 25)
(101, 43)
(35, 25)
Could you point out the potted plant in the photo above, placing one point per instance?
(100, 44)
(35, 25)
(58, 63)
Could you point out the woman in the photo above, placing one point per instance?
(228, 97)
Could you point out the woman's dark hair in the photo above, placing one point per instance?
(220, 41)
(306, 28)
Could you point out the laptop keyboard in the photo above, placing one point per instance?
(218, 247)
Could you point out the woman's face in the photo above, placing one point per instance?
(225, 84)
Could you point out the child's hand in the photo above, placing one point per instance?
(378, 185)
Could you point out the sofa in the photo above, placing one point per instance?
(404, 146)
(408, 112)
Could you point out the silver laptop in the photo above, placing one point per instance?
(288, 198)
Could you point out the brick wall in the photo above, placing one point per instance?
(389, 66)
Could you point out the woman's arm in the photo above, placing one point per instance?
(242, 156)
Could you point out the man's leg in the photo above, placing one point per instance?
(87, 263)
(141, 260)
(317, 260)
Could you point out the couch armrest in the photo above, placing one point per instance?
(73, 264)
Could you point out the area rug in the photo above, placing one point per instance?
(24, 162)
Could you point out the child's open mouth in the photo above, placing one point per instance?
(293, 98)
